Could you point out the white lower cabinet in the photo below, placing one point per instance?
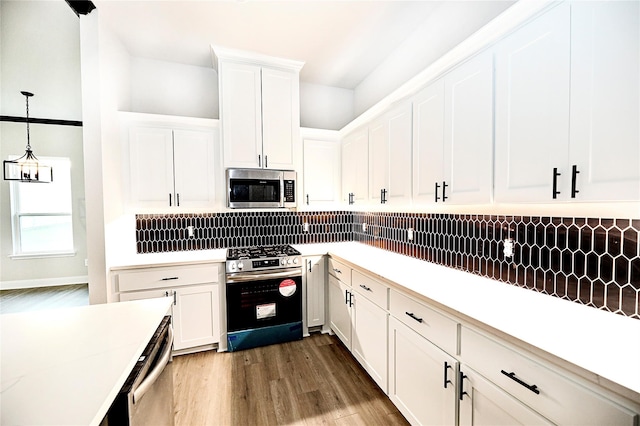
(484, 404)
(340, 304)
(196, 299)
(315, 277)
(422, 377)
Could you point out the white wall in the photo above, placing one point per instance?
(159, 87)
(325, 107)
(416, 53)
(40, 50)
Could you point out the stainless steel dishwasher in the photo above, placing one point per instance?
(147, 396)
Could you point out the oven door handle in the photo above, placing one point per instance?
(243, 278)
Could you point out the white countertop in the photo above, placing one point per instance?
(605, 344)
(146, 260)
(66, 366)
(596, 341)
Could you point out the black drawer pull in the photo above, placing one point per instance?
(337, 271)
(574, 175)
(169, 278)
(436, 191)
(462, 393)
(555, 191)
(512, 376)
(365, 287)
(414, 317)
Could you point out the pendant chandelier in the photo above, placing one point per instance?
(27, 168)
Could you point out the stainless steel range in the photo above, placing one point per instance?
(264, 296)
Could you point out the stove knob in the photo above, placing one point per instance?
(283, 262)
(232, 266)
(295, 260)
(240, 265)
(289, 261)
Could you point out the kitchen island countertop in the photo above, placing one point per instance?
(66, 366)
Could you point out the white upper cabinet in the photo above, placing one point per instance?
(605, 102)
(390, 156)
(321, 171)
(355, 161)
(567, 106)
(171, 164)
(259, 109)
(453, 135)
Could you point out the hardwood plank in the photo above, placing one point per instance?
(33, 299)
(314, 381)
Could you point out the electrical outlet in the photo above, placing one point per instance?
(190, 231)
(86, 262)
(364, 227)
(410, 234)
(306, 227)
(508, 248)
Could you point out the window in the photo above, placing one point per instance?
(41, 213)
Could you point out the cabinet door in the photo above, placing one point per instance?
(532, 108)
(194, 165)
(378, 159)
(483, 403)
(241, 114)
(340, 298)
(321, 172)
(355, 166)
(428, 141)
(399, 161)
(316, 274)
(196, 319)
(422, 378)
(605, 100)
(151, 166)
(468, 134)
(369, 338)
(280, 118)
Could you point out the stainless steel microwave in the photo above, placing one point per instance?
(261, 188)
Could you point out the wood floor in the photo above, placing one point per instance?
(307, 382)
(35, 299)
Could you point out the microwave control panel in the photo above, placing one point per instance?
(289, 191)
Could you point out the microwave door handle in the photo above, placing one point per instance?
(163, 360)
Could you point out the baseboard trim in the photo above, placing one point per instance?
(43, 282)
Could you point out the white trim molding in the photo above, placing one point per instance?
(43, 282)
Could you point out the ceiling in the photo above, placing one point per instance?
(341, 42)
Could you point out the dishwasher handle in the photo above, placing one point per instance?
(151, 378)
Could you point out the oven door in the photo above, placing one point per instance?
(263, 299)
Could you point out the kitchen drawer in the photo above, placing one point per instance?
(435, 327)
(372, 289)
(551, 394)
(340, 271)
(150, 278)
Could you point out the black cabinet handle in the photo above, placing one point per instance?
(178, 199)
(351, 195)
(175, 302)
(461, 377)
(169, 199)
(574, 175)
(446, 380)
(555, 183)
(365, 287)
(512, 376)
(309, 266)
(266, 161)
(437, 187)
(166, 294)
(169, 278)
(307, 199)
(383, 196)
(259, 161)
(412, 315)
(444, 191)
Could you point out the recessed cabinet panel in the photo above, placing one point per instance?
(195, 316)
(605, 100)
(422, 378)
(355, 166)
(340, 301)
(369, 338)
(151, 166)
(315, 275)
(195, 164)
(241, 114)
(378, 159)
(428, 141)
(468, 134)
(532, 108)
(279, 91)
(321, 172)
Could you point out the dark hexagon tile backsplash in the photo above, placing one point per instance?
(593, 261)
